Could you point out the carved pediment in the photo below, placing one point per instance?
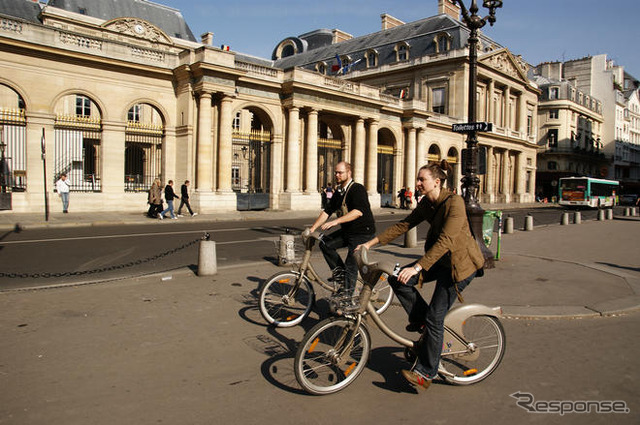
(139, 28)
(504, 62)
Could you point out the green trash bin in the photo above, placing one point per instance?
(488, 223)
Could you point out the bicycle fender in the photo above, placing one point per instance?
(457, 316)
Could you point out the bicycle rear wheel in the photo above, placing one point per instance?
(281, 308)
(381, 295)
(485, 347)
(331, 355)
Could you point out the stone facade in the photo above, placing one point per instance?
(120, 102)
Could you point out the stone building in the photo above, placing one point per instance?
(570, 124)
(120, 92)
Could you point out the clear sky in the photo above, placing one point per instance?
(539, 30)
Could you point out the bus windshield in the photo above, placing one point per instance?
(573, 190)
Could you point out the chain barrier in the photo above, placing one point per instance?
(103, 269)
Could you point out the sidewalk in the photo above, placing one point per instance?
(554, 271)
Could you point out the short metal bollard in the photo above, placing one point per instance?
(609, 213)
(565, 219)
(600, 215)
(287, 251)
(508, 225)
(207, 262)
(528, 223)
(411, 238)
(634, 211)
(577, 217)
(627, 212)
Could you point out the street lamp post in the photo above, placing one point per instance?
(471, 181)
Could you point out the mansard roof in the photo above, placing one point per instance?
(166, 18)
(419, 35)
(23, 9)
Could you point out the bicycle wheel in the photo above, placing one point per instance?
(280, 308)
(323, 365)
(381, 296)
(486, 343)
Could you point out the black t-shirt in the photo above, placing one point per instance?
(357, 199)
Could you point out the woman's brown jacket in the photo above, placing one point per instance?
(449, 241)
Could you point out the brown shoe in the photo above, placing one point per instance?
(416, 379)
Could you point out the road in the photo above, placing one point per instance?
(41, 257)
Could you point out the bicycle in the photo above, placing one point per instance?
(334, 352)
(287, 298)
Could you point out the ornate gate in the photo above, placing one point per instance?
(250, 172)
(385, 175)
(329, 154)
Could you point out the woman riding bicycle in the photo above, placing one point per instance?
(452, 258)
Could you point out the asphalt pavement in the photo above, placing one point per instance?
(553, 271)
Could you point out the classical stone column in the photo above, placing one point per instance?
(113, 148)
(293, 151)
(225, 145)
(507, 109)
(490, 93)
(490, 176)
(205, 145)
(521, 175)
(522, 115)
(372, 158)
(311, 184)
(421, 148)
(358, 153)
(410, 158)
(505, 175)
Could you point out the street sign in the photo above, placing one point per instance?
(472, 126)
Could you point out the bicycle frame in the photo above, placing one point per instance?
(306, 266)
(454, 320)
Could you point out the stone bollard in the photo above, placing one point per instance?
(565, 219)
(609, 213)
(577, 217)
(528, 223)
(508, 225)
(287, 251)
(207, 262)
(634, 211)
(411, 238)
(627, 212)
(600, 215)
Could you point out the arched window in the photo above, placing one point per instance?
(13, 135)
(321, 67)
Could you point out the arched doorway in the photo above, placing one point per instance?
(77, 144)
(13, 136)
(250, 167)
(433, 155)
(386, 142)
(143, 147)
(329, 152)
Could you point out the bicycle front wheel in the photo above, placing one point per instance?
(485, 347)
(280, 305)
(331, 355)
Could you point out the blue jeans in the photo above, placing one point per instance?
(169, 209)
(340, 239)
(65, 200)
(429, 347)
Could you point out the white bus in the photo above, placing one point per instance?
(587, 192)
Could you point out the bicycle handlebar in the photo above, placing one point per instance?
(365, 265)
(306, 234)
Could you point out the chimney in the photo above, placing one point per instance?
(340, 36)
(207, 38)
(389, 21)
(448, 7)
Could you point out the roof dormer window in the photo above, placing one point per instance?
(371, 58)
(443, 42)
(402, 51)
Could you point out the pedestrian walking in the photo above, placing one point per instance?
(169, 196)
(63, 187)
(155, 199)
(184, 200)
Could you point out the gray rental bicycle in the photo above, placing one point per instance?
(334, 352)
(287, 298)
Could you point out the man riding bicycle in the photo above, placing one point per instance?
(351, 205)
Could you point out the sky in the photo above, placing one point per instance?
(539, 30)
